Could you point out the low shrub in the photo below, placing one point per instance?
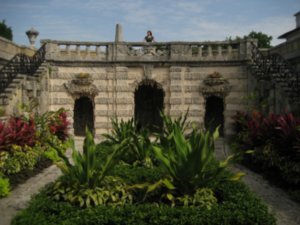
(238, 207)
(17, 131)
(87, 181)
(24, 139)
(275, 140)
(4, 187)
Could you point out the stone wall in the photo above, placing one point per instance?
(9, 49)
(116, 85)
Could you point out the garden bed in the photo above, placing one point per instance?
(275, 141)
(24, 175)
(128, 179)
(236, 206)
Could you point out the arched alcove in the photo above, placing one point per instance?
(83, 115)
(214, 114)
(149, 101)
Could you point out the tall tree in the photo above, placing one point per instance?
(264, 41)
(5, 31)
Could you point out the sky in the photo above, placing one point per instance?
(169, 20)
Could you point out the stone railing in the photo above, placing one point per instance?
(142, 51)
(288, 50)
(9, 49)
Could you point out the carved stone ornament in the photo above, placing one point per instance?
(148, 71)
(82, 85)
(215, 85)
(147, 50)
(151, 83)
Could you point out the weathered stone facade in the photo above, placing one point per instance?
(101, 80)
(111, 73)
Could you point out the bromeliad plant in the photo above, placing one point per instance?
(86, 181)
(189, 164)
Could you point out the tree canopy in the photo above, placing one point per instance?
(5, 31)
(263, 40)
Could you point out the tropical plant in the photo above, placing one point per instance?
(87, 182)
(188, 162)
(138, 148)
(17, 131)
(275, 140)
(20, 158)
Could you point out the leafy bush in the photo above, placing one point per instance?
(189, 164)
(86, 181)
(24, 138)
(276, 143)
(20, 158)
(58, 124)
(17, 131)
(138, 148)
(4, 187)
(238, 207)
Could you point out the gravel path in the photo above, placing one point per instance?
(286, 211)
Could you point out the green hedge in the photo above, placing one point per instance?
(237, 206)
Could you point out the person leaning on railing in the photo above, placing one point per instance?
(149, 37)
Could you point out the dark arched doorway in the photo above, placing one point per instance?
(83, 116)
(149, 101)
(214, 114)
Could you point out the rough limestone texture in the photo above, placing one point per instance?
(106, 76)
(182, 87)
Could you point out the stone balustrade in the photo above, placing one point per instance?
(143, 51)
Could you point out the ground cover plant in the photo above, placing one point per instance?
(275, 140)
(184, 185)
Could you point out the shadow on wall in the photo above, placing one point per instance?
(149, 101)
(83, 116)
(214, 114)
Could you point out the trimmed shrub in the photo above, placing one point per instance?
(238, 207)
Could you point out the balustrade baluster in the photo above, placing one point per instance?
(219, 50)
(209, 50)
(77, 49)
(68, 49)
(98, 49)
(200, 51)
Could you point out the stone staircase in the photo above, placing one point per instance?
(275, 70)
(21, 70)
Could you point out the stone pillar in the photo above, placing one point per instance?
(119, 33)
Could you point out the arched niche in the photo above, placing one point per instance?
(83, 115)
(149, 102)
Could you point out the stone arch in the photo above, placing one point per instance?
(148, 102)
(214, 113)
(83, 115)
(83, 91)
(215, 89)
